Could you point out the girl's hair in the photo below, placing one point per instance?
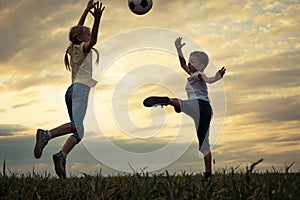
(75, 32)
(203, 57)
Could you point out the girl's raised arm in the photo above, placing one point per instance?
(98, 10)
(89, 6)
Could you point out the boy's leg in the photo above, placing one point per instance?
(205, 150)
(176, 104)
(203, 135)
(207, 162)
(162, 101)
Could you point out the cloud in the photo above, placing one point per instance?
(248, 151)
(266, 87)
(20, 157)
(11, 129)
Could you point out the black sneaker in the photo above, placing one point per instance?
(60, 164)
(207, 175)
(156, 101)
(41, 142)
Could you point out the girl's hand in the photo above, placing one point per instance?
(178, 43)
(90, 5)
(98, 10)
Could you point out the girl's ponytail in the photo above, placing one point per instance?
(67, 64)
(96, 51)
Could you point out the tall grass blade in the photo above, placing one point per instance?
(253, 165)
(4, 173)
(288, 167)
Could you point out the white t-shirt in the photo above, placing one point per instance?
(81, 64)
(196, 88)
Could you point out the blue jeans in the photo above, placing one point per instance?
(76, 100)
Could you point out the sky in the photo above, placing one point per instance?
(256, 104)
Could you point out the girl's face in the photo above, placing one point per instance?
(194, 64)
(85, 35)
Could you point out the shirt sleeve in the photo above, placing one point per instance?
(196, 74)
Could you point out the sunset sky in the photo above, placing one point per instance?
(256, 105)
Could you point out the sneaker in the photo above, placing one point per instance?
(60, 164)
(41, 142)
(207, 175)
(155, 101)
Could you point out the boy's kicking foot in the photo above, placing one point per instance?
(162, 101)
(156, 101)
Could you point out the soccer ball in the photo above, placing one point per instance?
(140, 7)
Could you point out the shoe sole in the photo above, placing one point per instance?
(38, 144)
(155, 101)
(58, 170)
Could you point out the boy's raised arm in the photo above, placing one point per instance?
(182, 61)
(89, 6)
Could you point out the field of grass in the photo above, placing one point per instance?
(226, 184)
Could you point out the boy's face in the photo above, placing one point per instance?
(191, 68)
(195, 64)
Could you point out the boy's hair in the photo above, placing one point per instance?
(203, 57)
(74, 33)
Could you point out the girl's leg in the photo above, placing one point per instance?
(77, 105)
(60, 130)
(77, 109)
(69, 145)
(63, 130)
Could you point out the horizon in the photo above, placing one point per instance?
(256, 104)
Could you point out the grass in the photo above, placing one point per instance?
(225, 184)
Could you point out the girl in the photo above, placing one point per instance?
(80, 65)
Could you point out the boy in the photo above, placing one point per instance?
(198, 105)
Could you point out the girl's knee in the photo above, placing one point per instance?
(77, 137)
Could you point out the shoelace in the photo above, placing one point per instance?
(44, 138)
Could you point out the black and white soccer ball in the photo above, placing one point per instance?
(140, 7)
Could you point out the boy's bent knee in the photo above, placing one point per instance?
(176, 104)
(205, 152)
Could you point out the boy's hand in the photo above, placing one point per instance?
(98, 10)
(222, 71)
(178, 43)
